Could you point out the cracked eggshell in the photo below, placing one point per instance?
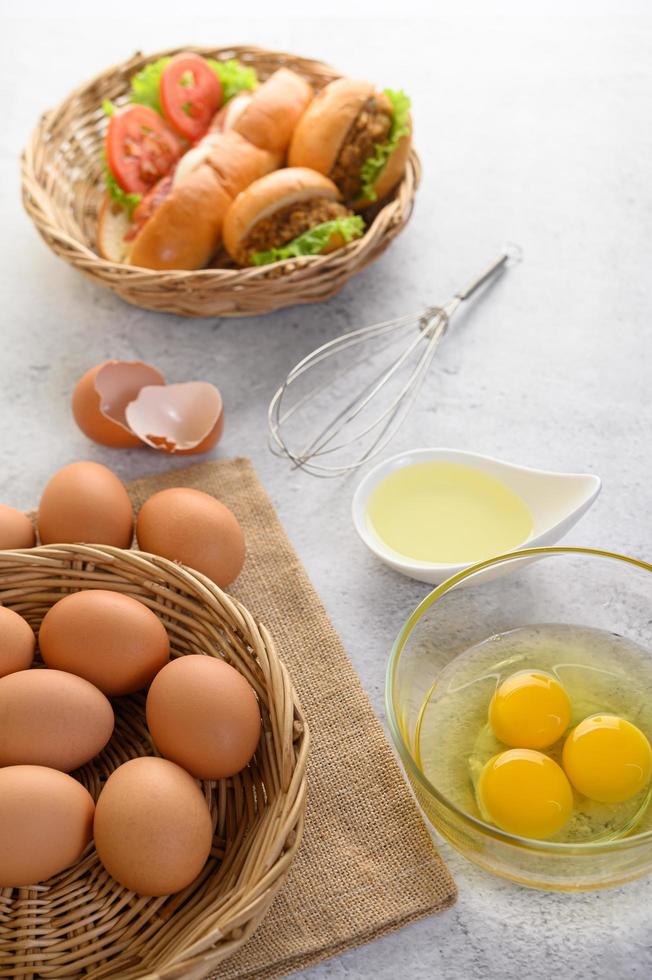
(178, 418)
(102, 395)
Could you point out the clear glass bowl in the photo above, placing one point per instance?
(575, 586)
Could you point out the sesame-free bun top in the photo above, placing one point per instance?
(323, 128)
(185, 230)
(269, 117)
(269, 194)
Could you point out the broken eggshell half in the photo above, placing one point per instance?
(101, 397)
(178, 418)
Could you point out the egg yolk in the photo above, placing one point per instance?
(525, 792)
(529, 710)
(607, 759)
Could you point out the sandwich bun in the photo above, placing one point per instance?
(112, 225)
(229, 113)
(185, 230)
(269, 194)
(269, 117)
(237, 162)
(324, 126)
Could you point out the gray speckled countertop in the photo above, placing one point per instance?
(532, 127)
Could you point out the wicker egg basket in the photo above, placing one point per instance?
(83, 924)
(62, 189)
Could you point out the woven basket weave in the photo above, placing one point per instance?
(81, 923)
(62, 189)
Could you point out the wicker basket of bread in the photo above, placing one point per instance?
(222, 182)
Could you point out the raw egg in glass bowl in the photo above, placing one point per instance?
(519, 696)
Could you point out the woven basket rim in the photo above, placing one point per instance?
(33, 572)
(386, 220)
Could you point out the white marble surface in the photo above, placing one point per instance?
(533, 128)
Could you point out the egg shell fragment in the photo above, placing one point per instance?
(108, 638)
(192, 527)
(46, 821)
(102, 395)
(204, 715)
(17, 642)
(178, 418)
(85, 503)
(52, 718)
(16, 529)
(153, 829)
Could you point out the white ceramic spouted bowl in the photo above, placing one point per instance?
(556, 502)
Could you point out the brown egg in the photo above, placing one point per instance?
(102, 395)
(112, 640)
(194, 528)
(204, 715)
(16, 529)
(17, 642)
(152, 829)
(46, 821)
(85, 502)
(51, 718)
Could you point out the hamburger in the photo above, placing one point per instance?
(286, 214)
(357, 136)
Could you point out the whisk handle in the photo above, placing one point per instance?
(493, 269)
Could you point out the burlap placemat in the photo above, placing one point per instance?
(367, 864)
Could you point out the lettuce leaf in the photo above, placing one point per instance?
(233, 76)
(117, 195)
(313, 241)
(374, 165)
(145, 84)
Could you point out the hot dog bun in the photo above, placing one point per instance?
(186, 229)
(269, 117)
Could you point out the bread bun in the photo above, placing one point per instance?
(185, 230)
(322, 129)
(269, 194)
(226, 117)
(237, 162)
(269, 117)
(112, 226)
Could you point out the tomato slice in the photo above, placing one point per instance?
(191, 94)
(140, 148)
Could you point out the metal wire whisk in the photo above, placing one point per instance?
(359, 430)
